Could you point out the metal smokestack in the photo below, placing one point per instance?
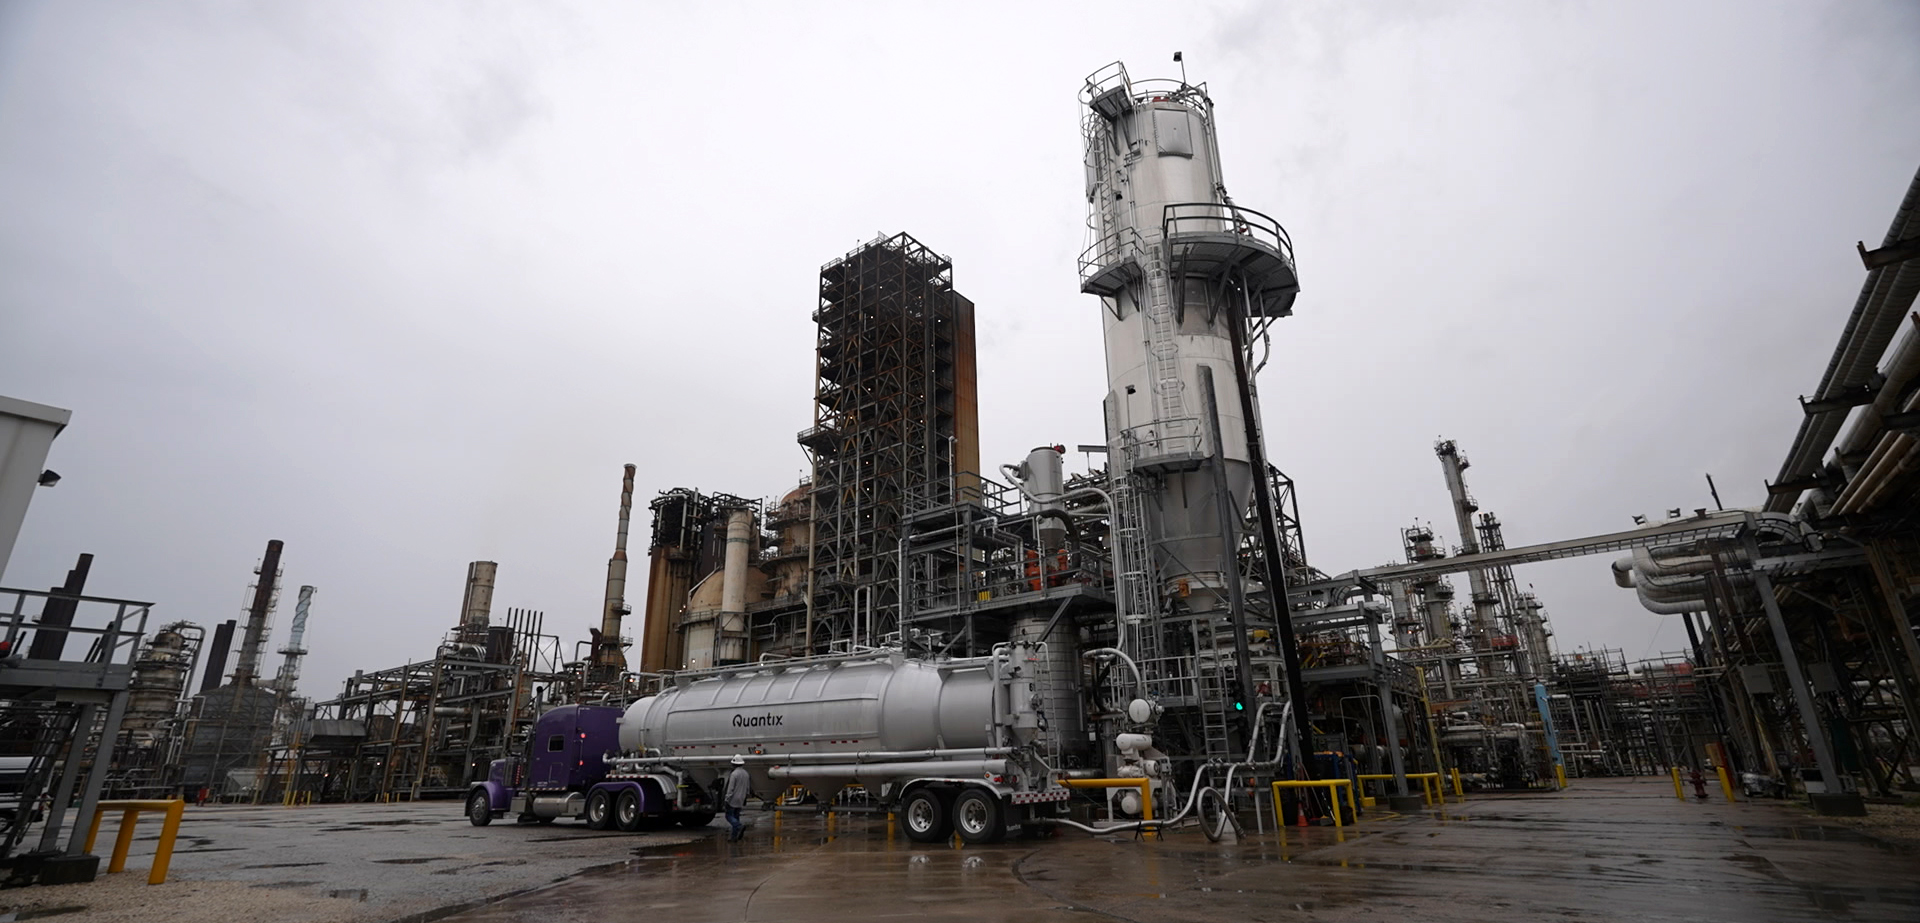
(263, 598)
(476, 609)
(606, 642)
(217, 655)
(289, 676)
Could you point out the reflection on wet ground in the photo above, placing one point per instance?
(1602, 850)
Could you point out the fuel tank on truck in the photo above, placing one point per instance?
(888, 704)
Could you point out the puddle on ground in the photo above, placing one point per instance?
(411, 861)
(388, 823)
(276, 885)
(40, 914)
(282, 865)
(350, 894)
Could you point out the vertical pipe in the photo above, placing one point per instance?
(1270, 540)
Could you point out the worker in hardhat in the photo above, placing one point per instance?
(738, 788)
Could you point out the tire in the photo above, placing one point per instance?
(696, 820)
(480, 808)
(924, 815)
(600, 810)
(979, 817)
(626, 812)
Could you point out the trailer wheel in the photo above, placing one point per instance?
(626, 812)
(600, 810)
(924, 814)
(978, 817)
(479, 808)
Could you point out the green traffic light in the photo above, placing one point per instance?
(1239, 706)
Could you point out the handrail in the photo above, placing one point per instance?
(1259, 227)
(1111, 248)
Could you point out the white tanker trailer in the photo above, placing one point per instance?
(950, 745)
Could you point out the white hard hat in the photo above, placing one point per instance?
(739, 760)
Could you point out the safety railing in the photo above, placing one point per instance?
(1430, 785)
(130, 816)
(1117, 247)
(1333, 787)
(1184, 437)
(1216, 218)
(112, 627)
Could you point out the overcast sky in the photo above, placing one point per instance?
(405, 284)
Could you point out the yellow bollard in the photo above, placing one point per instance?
(1560, 772)
(1458, 792)
(129, 816)
(1678, 792)
(1726, 784)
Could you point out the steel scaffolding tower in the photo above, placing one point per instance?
(894, 410)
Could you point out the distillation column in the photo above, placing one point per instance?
(1176, 263)
(1183, 274)
(1453, 465)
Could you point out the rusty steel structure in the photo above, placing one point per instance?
(894, 409)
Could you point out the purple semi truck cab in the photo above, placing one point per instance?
(564, 773)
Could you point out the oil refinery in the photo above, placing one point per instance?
(1117, 636)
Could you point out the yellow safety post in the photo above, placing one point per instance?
(1560, 772)
(1144, 785)
(1678, 792)
(1726, 784)
(129, 816)
(1333, 787)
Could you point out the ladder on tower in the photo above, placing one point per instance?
(1211, 689)
(1168, 389)
(1133, 572)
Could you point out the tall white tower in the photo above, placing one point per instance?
(1177, 264)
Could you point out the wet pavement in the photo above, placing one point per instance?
(1603, 850)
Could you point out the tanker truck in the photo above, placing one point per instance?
(949, 745)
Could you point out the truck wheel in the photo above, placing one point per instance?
(479, 809)
(924, 814)
(600, 810)
(978, 817)
(626, 812)
(696, 820)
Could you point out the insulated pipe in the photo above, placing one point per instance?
(1139, 682)
(1679, 565)
(1903, 366)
